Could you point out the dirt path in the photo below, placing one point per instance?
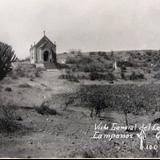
(45, 86)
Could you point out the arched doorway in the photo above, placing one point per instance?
(46, 56)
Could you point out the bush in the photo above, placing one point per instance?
(109, 76)
(70, 60)
(8, 89)
(136, 76)
(78, 59)
(8, 121)
(69, 76)
(82, 75)
(45, 110)
(120, 98)
(7, 56)
(92, 67)
(95, 99)
(19, 72)
(156, 67)
(62, 66)
(157, 75)
(92, 53)
(26, 70)
(96, 76)
(37, 72)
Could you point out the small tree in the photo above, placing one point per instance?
(7, 56)
(126, 106)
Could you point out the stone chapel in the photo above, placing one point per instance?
(43, 53)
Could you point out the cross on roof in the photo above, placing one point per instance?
(44, 32)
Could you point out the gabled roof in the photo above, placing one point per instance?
(42, 40)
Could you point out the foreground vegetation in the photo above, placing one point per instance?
(7, 57)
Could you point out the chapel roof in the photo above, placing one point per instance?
(43, 42)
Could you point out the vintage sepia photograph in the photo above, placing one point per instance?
(80, 79)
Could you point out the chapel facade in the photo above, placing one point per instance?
(43, 53)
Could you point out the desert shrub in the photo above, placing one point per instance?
(105, 55)
(125, 106)
(70, 60)
(124, 63)
(80, 59)
(76, 76)
(26, 70)
(69, 75)
(85, 63)
(13, 76)
(101, 53)
(93, 67)
(88, 68)
(96, 76)
(157, 75)
(37, 72)
(121, 98)
(95, 99)
(92, 53)
(75, 51)
(45, 110)
(8, 119)
(8, 89)
(82, 75)
(156, 67)
(62, 76)
(19, 72)
(136, 76)
(62, 66)
(7, 56)
(84, 60)
(109, 76)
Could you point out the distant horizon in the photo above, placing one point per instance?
(116, 51)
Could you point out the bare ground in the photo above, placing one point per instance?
(67, 134)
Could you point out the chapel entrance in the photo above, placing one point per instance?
(46, 56)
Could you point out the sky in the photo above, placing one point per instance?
(88, 25)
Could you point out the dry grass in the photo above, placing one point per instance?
(26, 70)
(8, 119)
